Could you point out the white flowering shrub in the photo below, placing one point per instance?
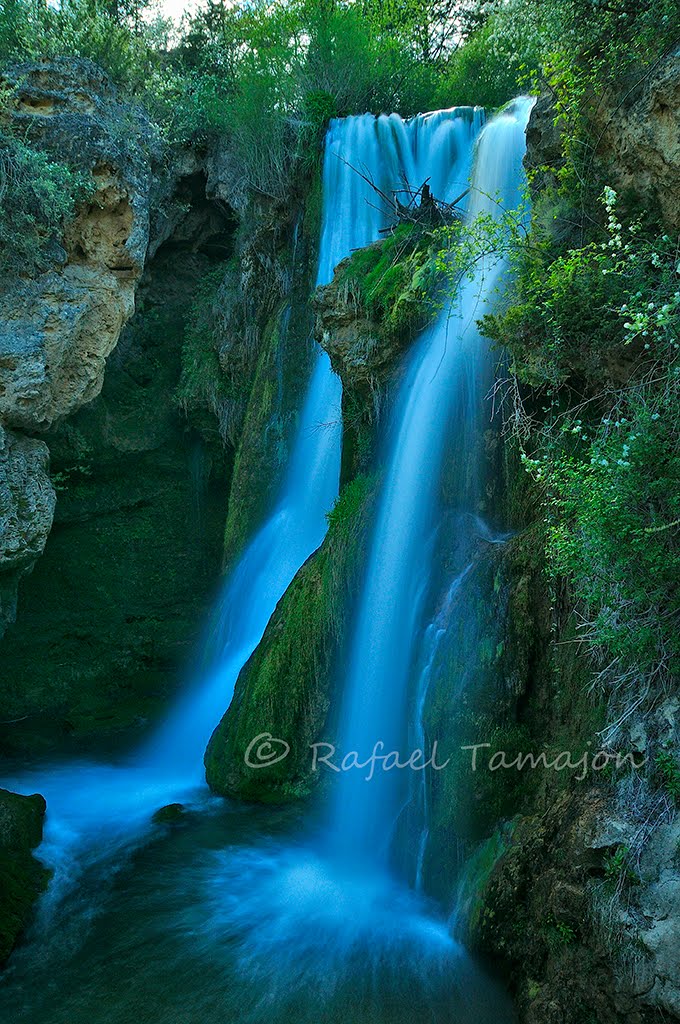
(596, 337)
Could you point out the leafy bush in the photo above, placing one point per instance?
(608, 466)
(122, 44)
(482, 74)
(614, 513)
(37, 194)
(668, 772)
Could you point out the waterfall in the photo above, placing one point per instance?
(265, 924)
(94, 807)
(442, 395)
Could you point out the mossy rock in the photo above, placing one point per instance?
(169, 815)
(270, 422)
(22, 877)
(379, 299)
(286, 688)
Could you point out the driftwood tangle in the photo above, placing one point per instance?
(422, 207)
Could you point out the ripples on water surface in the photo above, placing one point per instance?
(214, 921)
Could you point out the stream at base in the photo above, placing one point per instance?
(226, 916)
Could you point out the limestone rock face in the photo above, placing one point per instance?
(22, 877)
(657, 973)
(57, 330)
(637, 138)
(352, 339)
(108, 615)
(27, 501)
(544, 144)
(641, 138)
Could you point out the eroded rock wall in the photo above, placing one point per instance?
(57, 329)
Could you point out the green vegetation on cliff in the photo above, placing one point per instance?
(396, 280)
(203, 385)
(37, 195)
(594, 333)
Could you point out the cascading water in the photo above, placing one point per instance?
(447, 378)
(95, 806)
(432, 639)
(246, 927)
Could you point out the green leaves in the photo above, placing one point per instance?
(37, 194)
(596, 333)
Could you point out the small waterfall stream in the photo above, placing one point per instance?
(236, 917)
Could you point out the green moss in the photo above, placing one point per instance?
(476, 874)
(396, 279)
(203, 386)
(274, 390)
(285, 689)
(268, 428)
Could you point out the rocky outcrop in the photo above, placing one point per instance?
(544, 144)
(287, 686)
(359, 352)
(364, 326)
(634, 136)
(640, 138)
(265, 323)
(58, 329)
(655, 922)
(22, 877)
(27, 501)
(574, 925)
(365, 318)
(533, 912)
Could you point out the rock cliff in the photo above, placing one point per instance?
(58, 328)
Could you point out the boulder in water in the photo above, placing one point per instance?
(22, 877)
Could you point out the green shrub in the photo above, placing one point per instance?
(668, 772)
(121, 43)
(617, 865)
(481, 74)
(37, 194)
(608, 467)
